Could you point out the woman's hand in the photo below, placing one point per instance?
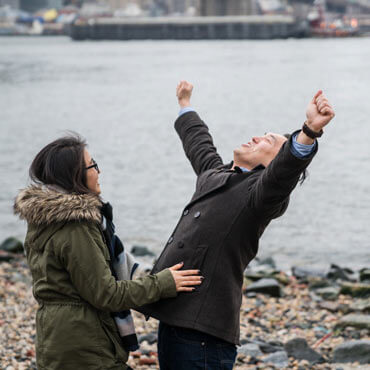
(185, 279)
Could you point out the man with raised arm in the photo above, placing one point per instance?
(219, 230)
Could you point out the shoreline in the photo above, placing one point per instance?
(279, 315)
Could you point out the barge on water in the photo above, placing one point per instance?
(187, 28)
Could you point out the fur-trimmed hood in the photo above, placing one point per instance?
(44, 205)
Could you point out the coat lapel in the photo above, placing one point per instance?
(214, 182)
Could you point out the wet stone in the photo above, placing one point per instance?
(6, 256)
(251, 294)
(141, 251)
(353, 351)
(300, 350)
(356, 289)
(358, 321)
(151, 338)
(268, 347)
(361, 305)
(329, 293)
(278, 359)
(338, 273)
(304, 273)
(12, 245)
(253, 275)
(250, 349)
(330, 306)
(267, 261)
(317, 283)
(365, 274)
(265, 286)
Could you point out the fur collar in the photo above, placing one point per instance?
(45, 205)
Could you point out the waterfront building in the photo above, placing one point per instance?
(35, 5)
(227, 7)
(190, 7)
(164, 7)
(14, 4)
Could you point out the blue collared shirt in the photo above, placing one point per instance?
(299, 150)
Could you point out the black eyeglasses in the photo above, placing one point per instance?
(94, 165)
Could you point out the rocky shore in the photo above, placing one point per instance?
(302, 319)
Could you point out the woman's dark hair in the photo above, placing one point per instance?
(62, 163)
(304, 174)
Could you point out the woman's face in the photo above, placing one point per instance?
(92, 174)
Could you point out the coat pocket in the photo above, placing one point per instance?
(111, 331)
(199, 257)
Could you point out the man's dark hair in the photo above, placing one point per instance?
(62, 163)
(304, 174)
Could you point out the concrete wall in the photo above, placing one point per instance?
(195, 28)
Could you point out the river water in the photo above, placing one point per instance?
(121, 97)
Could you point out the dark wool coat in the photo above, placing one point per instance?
(219, 230)
(73, 283)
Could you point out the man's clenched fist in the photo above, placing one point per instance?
(319, 112)
(183, 93)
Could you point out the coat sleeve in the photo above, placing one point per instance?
(82, 255)
(197, 142)
(269, 194)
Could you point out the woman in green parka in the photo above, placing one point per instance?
(70, 264)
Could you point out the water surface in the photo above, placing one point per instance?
(120, 97)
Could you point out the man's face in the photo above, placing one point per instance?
(259, 150)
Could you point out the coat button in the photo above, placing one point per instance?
(170, 240)
(180, 244)
(197, 214)
(186, 212)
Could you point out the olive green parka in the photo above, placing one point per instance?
(73, 283)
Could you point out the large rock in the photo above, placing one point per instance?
(338, 273)
(356, 289)
(354, 351)
(6, 256)
(278, 359)
(360, 305)
(365, 275)
(329, 293)
(300, 350)
(265, 272)
(335, 306)
(151, 338)
(269, 347)
(141, 251)
(267, 261)
(12, 245)
(330, 306)
(355, 320)
(305, 272)
(259, 272)
(282, 278)
(317, 283)
(265, 286)
(254, 275)
(250, 349)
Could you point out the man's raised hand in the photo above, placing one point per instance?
(183, 93)
(319, 112)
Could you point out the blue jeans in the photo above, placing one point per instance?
(187, 349)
